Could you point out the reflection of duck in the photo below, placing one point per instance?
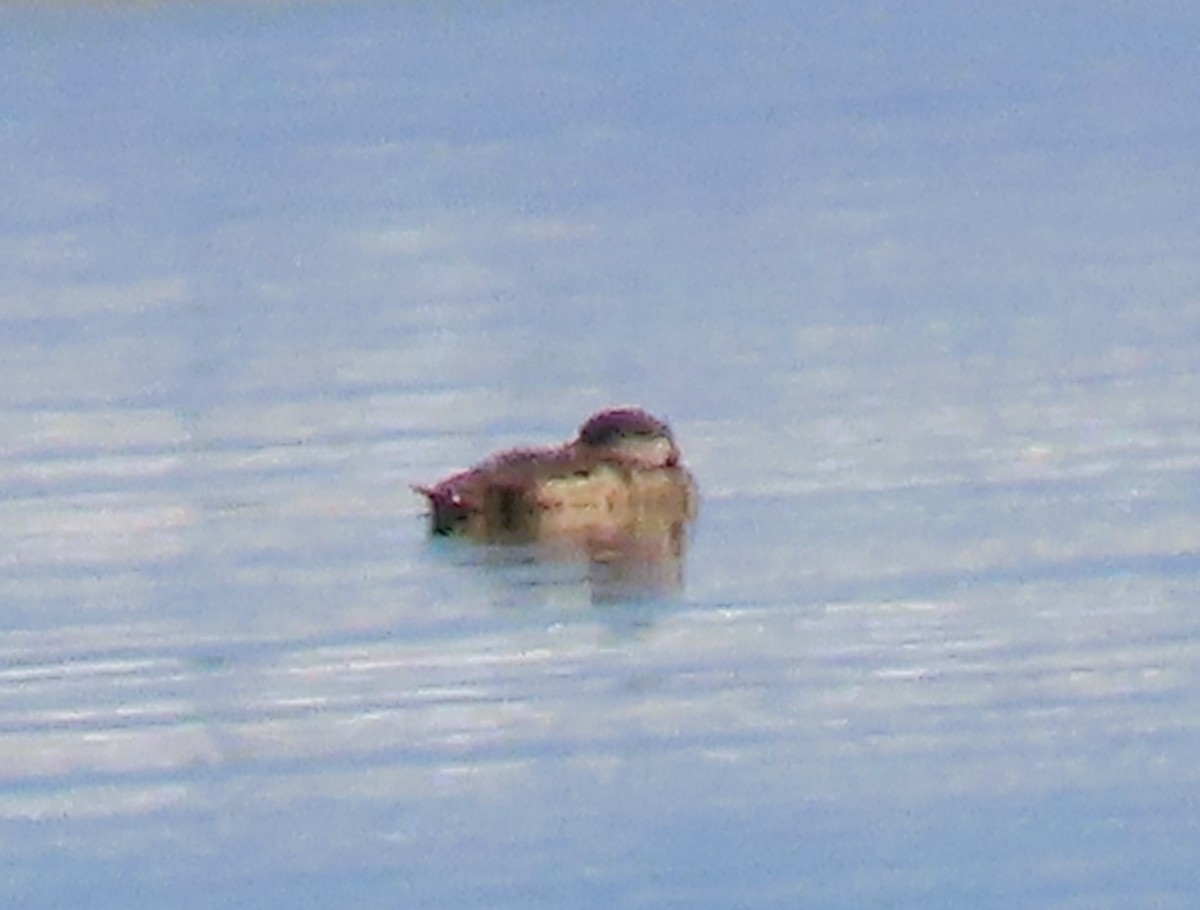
(620, 476)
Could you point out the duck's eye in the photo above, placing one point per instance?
(616, 437)
(603, 439)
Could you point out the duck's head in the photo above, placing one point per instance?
(629, 435)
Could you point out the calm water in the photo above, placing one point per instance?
(920, 292)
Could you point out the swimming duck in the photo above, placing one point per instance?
(621, 474)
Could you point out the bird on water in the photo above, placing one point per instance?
(622, 473)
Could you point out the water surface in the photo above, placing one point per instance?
(919, 293)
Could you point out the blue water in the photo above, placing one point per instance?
(919, 291)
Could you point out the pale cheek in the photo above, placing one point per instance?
(652, 453)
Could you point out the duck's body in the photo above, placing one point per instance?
(621, 474)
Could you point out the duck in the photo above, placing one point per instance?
(622, 474)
